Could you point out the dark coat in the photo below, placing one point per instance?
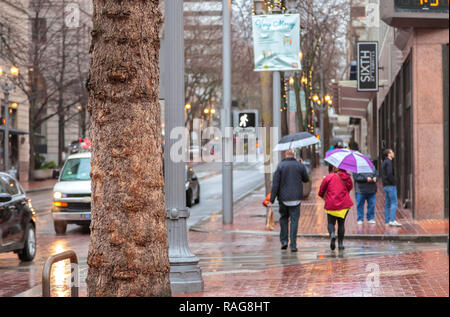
(362, 186)
(287, 184)
(387, 173)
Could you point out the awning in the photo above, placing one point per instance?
(14, 131)
(348, 101)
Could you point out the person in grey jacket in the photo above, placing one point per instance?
(287, 186)
(366, 190)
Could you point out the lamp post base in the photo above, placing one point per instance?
(185, 277)
(185, 273)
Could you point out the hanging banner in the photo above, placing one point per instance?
(276, 41)
(367, 66)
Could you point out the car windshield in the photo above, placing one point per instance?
(77, 169)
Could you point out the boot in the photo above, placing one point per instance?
(341, 244)
(333, 241)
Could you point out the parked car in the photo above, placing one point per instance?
(192, 188)
(72, 193)
(17, 220)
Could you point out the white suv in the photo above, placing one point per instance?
(72, 193)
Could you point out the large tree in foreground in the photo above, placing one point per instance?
(128, 251)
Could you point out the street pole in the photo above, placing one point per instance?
(227, 145)
(185, 274)
(6, 131)
(277, 100)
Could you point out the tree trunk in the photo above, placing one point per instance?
(128, 250)
(299, 116)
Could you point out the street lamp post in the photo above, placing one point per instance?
(277, 97)
(7, 85)
(227, 142)
(185, 273)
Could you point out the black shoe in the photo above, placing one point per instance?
(341, 245)
(284, 247)
(333, 242)
(294, 250)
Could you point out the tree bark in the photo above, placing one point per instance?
(128, 250)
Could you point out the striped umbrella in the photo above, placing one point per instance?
(349, 160)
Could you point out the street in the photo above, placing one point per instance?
(17, 277)
(330, 117)
(247, 253)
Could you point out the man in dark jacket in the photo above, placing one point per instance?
(366, 190)
(287, 186)
(390, 189)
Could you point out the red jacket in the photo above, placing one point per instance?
(337, 191)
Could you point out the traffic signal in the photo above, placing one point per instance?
(247, 120)
(2, 121)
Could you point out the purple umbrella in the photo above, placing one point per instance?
(349, 160)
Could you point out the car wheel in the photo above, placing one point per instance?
(198, 195)
(189, 198)
(29, 250)
(60, 227)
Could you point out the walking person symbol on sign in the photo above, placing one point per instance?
(243, 121)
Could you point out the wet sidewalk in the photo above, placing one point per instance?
(313, 220)
(35, 186)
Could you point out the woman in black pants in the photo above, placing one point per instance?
(335, 189)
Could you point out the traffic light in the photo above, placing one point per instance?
(2, 121)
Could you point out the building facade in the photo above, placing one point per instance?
(413, 104)
(409, 113)
(18, 106)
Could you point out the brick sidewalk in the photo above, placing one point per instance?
(250, 215)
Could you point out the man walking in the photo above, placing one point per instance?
(366, 190)
(390, 189)
(287, 186)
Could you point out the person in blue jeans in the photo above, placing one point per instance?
(366, 191)
(390, 189)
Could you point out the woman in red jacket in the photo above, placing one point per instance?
(335, 189)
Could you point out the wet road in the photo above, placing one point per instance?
(16, 277)
(249, 264)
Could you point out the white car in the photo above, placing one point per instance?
(72, 193)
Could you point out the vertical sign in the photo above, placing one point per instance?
(276, 40)
(367, 66)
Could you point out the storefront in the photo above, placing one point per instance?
(395, 119)
(413, 105)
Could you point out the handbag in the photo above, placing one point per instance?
(270, 223)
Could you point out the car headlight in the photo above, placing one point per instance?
(57, 195)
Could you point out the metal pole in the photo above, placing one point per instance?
(227, 145)
(6, 131)
(276, 110)
(185, 274)
(277, 98)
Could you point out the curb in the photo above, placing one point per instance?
(374, 237)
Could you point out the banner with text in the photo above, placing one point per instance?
(276, 40)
